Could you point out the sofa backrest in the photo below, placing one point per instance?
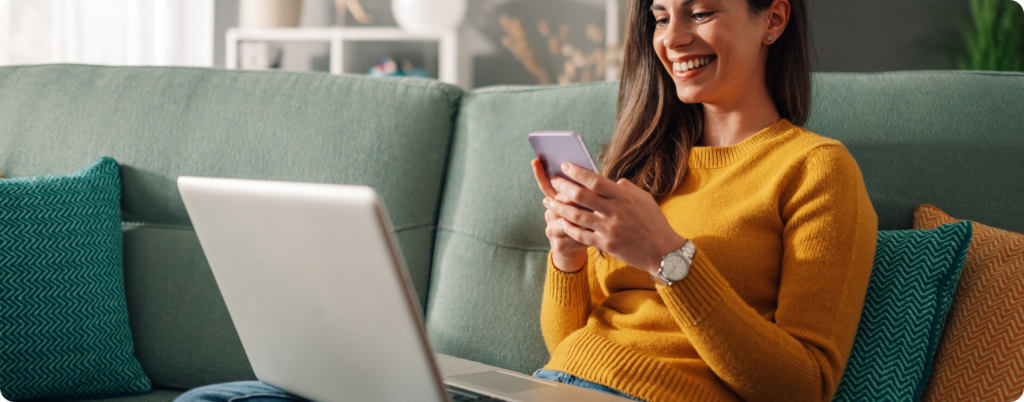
(950, 139)
(953, 139)
(159, 123)
(489, 262)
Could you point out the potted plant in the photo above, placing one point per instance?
(990, 37)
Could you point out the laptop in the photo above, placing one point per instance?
(320, 297)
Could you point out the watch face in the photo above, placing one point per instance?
(675, 267)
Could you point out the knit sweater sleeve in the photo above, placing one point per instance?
(829, 236)
(567, 302)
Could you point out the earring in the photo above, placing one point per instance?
(769, 39)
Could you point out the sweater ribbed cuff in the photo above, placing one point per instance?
(562, 287)
(698, 293)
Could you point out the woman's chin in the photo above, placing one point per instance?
(687, 95)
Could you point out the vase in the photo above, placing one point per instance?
(428, 17)
(269, 13)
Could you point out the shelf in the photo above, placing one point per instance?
(452, 67)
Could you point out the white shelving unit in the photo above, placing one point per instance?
(453, 67)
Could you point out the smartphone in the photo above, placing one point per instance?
(554, 148)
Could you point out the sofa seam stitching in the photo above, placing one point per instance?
(484, 239)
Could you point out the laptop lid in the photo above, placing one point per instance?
(317, 294)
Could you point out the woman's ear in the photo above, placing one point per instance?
(778, 16)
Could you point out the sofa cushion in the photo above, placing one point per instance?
(490, 259)
(980, 355)
(910, 291)
(392, 134)
(64, 329)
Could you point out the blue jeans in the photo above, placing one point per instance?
(248, 391)
(255, 391)
(566, 378)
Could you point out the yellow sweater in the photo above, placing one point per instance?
(785, 236)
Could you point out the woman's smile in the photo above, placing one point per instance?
(689, 67)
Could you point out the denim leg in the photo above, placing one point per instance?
(569, 379)
(551, 375)
(247, 391)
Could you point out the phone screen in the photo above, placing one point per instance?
(554, 148)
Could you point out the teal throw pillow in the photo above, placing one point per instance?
(911, 290)
(63, 318)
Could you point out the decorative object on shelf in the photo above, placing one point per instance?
(990, 38)
(265, 14)
(269, 13)
(357, 12)
(428, 17)
(516, 42)
(576, 64)
(259, 56)
(389, 68)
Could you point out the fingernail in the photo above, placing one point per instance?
(546, 201)
(565, 167)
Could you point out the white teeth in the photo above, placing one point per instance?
(691, 64)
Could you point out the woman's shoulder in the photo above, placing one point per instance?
(803, 138)
(807, 146)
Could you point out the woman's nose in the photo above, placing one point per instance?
(677, 34)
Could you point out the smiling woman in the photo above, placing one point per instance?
(732, 39)
(724, 252)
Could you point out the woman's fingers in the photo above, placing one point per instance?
(595, 182)
(578, 233)
(571, 213)
(560, 241)
(542, 178)
(571, 193)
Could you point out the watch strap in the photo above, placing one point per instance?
(687, 253)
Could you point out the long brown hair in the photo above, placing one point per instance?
(655, 131)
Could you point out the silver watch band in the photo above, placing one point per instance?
(682, 259)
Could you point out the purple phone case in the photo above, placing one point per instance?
(554, 148)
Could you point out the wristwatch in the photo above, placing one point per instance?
(675, 265)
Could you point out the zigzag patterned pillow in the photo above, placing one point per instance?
(910, 291)
(63, 318)
(981, 355)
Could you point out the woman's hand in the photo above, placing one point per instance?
(567, 254)
(626, 222)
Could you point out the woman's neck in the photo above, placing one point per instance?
(730, 124)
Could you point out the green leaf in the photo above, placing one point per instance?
(990, 36)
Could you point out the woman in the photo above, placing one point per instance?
(728, 252)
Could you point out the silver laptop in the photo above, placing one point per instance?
(321, 300)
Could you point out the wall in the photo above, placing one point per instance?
(882, 35)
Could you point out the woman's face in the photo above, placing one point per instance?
(715, 50)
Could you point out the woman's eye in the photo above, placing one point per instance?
(661, 22)
(701, 16)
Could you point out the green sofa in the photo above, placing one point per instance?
(451, 167)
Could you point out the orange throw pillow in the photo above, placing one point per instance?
(981, 353)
